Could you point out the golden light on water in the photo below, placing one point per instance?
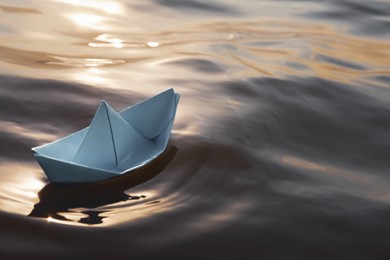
(97, 62)
(63, 222)
(153, 44)
(96, 71)
(111, 7)
(98, 45)
(26, 132)
(88, 20)
(106, 41)
(353, 177)
(117, 45)
(103, 37)
(19, 187)
(88, 78)
(112, 214)
(84, 62)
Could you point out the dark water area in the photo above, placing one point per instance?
(280, 148)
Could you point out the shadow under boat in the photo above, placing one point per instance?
(55, 198)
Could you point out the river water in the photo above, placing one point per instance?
(281, 143)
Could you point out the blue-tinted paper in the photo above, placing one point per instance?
(113, 144)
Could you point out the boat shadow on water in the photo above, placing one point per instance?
(54, 198)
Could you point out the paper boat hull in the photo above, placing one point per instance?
(64, 172)
(113, 144)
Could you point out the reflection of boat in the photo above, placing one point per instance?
(113, 144)
(56, 200)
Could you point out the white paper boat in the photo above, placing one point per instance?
(113, 144)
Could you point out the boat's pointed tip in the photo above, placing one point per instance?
(104, 104)
(169, 90)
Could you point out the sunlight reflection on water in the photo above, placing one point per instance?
(19, 188)
(210, 58)
(112, 7)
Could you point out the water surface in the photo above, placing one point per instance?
(281, 143)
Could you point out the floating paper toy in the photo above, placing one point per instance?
(113, 144)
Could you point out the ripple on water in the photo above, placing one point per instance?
(280, 142)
